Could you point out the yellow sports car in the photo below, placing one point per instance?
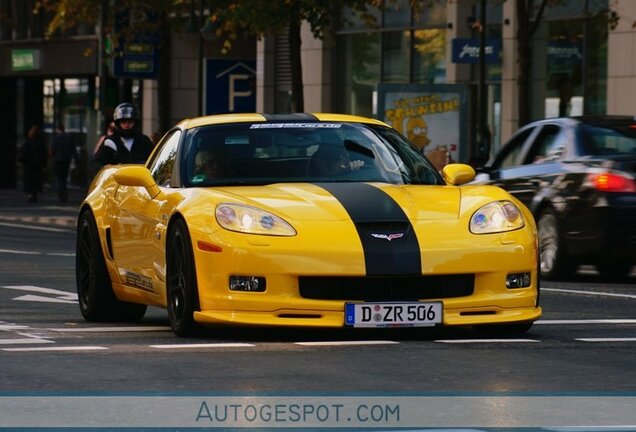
(315, 220)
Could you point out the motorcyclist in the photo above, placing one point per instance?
(127, 144)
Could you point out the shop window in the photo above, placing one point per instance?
(432, 14)
(429, 52)
(395, 57)
(397, 15)
(360, 66)
(351, 21)
(407, 46)
(66, 101)
(576, 75)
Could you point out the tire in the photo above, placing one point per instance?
(94, 288)
(182, 291)
(614, 269)
(553, 262)
(129, 312)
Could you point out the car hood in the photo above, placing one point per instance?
(341, 201)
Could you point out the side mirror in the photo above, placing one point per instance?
(458, 174)
(137, 175)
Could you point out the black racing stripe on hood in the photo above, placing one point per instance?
(290, 117)
(375, 213)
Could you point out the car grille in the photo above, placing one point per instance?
(386, 288)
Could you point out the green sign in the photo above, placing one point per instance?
(25, 59)
(139, 66)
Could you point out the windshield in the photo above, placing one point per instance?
(263, 153)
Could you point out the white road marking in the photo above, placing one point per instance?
(37, 228)
(598, 293)
(24, 341)
(58, 348)
(606, 339)
(6, 327)
(463, 341)
(588, 321)
(343, 343)
(203, 345)
(37, 298)
(60, 296)
(111, 329)
(21, 252)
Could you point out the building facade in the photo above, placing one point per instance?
(579, 64)
(416, 71)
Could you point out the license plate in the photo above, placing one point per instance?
(412, 314)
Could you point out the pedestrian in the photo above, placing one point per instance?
(127, 144)
(33, 157)
(62, 151)
(110, 129)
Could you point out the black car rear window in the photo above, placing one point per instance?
(609, 140)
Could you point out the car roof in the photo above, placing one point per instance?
(606, 119)
(264, 118)
(589, 119)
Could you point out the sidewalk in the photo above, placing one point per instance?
(13, 198)
(47, 213)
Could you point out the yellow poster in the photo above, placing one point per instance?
(431, 120)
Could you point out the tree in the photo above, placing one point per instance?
(262, 18)
(67, 14)
(233, 18)
(230, 17)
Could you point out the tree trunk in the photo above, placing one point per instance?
(297, 97)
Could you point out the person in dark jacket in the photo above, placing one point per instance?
(62, 151)
(127, 144)
(34, 155)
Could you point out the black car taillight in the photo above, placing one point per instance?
(612, 182)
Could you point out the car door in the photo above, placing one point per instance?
(137, 234)
(531, 174)
(505, 169)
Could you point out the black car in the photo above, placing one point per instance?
(577, 176)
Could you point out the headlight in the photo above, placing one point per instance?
(251, 220)
(497, 216)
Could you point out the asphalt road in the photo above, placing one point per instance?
(585, 343)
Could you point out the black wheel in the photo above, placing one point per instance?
(182, 291)
(128, 312)
(554, 263)
(616, 269)
(94, 289)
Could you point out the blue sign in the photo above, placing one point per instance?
(565, 52)
(467, 50)
(137, 55)
(230, 86)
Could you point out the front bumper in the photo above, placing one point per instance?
(284, 261)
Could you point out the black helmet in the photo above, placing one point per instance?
(124, 111)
